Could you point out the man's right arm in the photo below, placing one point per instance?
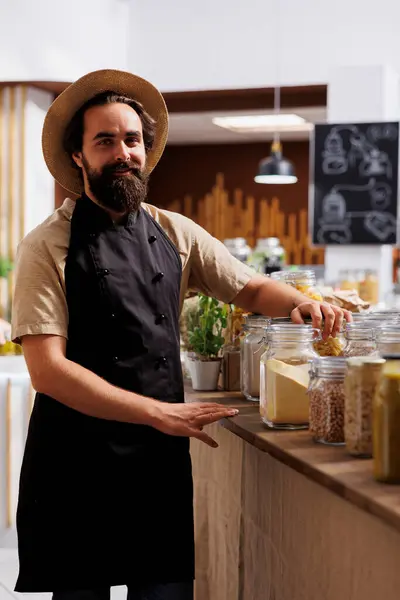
(71, 384)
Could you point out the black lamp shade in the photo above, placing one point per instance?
(275, 170)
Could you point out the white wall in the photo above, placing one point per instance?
(210, 44)
(60, 40)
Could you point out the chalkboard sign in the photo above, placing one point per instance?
(354, 183)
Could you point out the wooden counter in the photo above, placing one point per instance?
(242, 486)
(329, 466)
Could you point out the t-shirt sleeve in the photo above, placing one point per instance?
(39, 303)
(214, 271)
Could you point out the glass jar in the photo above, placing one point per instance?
(239, 248)
(326, 393)
(386, 423)
(304, 281)
(284, 376)
(252, 347)
(368, 288)
(268, 256)
(332, 346)
(360, 385)
(348, 280)
(388, 339)
(360, 340)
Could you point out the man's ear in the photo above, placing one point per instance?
(77, 157)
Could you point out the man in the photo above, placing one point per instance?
(106, 485)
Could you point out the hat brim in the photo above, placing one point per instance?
(78, 93)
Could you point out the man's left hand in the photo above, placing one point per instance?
(332, 315)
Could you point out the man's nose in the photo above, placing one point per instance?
(122, 153)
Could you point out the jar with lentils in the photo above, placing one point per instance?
(326, 393)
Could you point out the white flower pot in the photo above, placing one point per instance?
(204, 374)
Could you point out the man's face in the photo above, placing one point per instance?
(113, 157)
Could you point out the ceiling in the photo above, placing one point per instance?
(198, 128)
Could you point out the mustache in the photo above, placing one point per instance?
(115, 167)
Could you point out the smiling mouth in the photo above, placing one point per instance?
(125, 171)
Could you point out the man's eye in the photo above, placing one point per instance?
(104, 142)
(132, 141)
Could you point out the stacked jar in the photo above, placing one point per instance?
(252, 347)
(284, 374)
(361, 382)
(326, 394)
(304, 281)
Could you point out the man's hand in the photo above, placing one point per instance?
(188, 420)
(333, 316)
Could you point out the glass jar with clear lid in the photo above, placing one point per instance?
(252, 346)
(360, 340)
(268, 256)
(327, 398)
(284, 376)
(304, 281)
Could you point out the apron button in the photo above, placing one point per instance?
(152, 239)
(160, 319)
(158, 277)
(115, 359)
(113, 315)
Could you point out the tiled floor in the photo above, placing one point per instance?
(9, 570)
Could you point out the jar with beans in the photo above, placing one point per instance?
(326, 393)
(360, 340)
(360, 385)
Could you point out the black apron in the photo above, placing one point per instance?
(104, 503)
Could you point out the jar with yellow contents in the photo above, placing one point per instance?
(386, 422)
(304, 281)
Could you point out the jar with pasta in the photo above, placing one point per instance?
(251, 349)
(332, 346)
(304, 281)
(362, 378)
(284, 376)
(386, 422)
(360, 340)
(326, 393)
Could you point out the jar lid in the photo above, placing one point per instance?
(256, 322)
(292, 332)
(389, 334)
(329, 366)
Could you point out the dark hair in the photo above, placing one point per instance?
(73, 136)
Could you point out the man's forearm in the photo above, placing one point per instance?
(86, 392)
(266, 296)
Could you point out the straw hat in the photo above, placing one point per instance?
(74, 96)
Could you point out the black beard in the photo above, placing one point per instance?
(122, 194)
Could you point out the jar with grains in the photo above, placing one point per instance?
(386, 422)
(388, 339)
(360, 340)
(304, 281)
(326, 393)
(360, 385)
(284, 376)
(252, 347)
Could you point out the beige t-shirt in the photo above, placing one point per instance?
(40, 305)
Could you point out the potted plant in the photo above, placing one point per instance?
(205, 341)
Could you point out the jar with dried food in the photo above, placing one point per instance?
(284, 376)
(326, 394)
(386, 436)
(304, 281)
(360, 340)
(251, 349)
(360, 385)
(332, 346)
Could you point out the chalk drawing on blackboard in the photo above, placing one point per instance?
(381, 225)
(374, 163)
(383, 131)
(335, 221)
(334, 156)
(381, 196)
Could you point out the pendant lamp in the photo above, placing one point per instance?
(276, 169)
